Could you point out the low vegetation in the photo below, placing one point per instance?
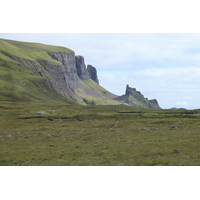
(51, 133)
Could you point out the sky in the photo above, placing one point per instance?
(162, 66)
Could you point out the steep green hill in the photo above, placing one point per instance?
(33, 72)
(17, 82)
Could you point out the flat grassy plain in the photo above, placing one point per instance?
(58, 134)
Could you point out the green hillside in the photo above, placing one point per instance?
(30, 51)
(20, 84)
(94, 94)
(17, 83)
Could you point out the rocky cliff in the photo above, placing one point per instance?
(81, 68)
(60, 72)
(85, 73)
(93, 73)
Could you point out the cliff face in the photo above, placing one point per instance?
(63, 73)
(66, 68)
(85, 73)
(81, 68)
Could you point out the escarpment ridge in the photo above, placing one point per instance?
(33, 71)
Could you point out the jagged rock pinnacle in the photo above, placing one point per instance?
(81, 68)
(129, 90)
(93, 73)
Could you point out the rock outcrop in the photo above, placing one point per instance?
(93, 73)
(81, 68)
(85, 73)
(130, 91)
(135, 98)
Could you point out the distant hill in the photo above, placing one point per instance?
(32, 72)
(135, 98)
(177, 108)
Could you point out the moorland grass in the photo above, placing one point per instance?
(75, 135)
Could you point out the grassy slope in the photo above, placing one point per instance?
(139, 101)
(31, 51)
(93, 93)
(16, 82)
(20, 84)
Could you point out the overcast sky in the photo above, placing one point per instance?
(161, 66)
